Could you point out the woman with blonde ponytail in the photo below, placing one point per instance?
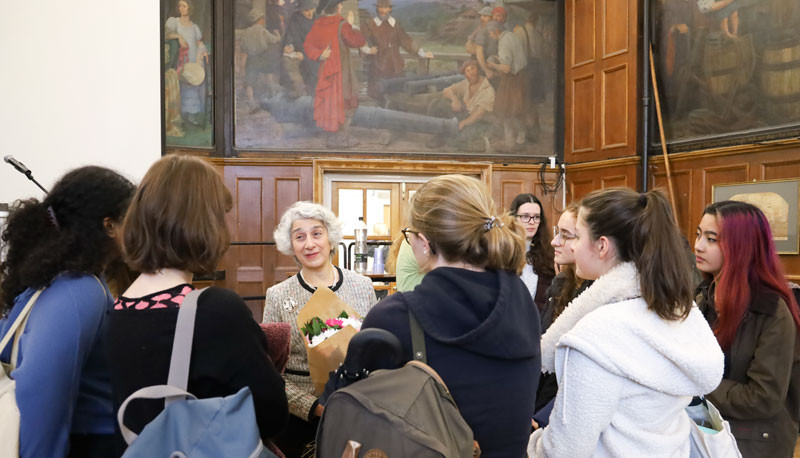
(632, 350)
(481, 327)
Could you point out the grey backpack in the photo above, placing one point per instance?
(396, 413)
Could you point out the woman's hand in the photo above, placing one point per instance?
(319, 409)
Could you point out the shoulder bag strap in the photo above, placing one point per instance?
(182, 344)
(17, 328)
(417, 338)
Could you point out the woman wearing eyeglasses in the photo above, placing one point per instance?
(475, 312)
(539, 271)
(565, 287)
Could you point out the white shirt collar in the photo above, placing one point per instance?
(378, 21)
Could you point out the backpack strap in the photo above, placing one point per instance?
(17, 328)
(417, 338)
(182, 344)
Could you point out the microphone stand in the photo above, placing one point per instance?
(30, 177)
(25, 171)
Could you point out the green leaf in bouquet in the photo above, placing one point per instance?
(343, 315)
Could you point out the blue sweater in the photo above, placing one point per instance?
(62, 375)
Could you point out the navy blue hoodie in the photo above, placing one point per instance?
(482, 337)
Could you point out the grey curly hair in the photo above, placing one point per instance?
(306, 210)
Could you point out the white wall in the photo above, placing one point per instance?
(79, 84)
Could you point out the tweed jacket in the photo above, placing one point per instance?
(283, 302)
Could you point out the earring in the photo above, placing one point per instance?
(425, 252)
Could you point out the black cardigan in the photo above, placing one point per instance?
(229, 352)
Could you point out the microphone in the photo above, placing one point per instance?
(18, 165)
(23, 170)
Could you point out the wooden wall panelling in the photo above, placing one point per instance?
(694, 174)
(585, 178)
(260, 196)
(509, 181)
(602, 84)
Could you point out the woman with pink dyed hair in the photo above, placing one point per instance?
(746, 300)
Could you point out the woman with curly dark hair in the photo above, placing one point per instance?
(539, 269)
(57, 250)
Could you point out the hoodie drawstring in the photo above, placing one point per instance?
(564, 376)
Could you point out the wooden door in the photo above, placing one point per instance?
(601, 75)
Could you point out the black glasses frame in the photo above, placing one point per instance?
(529, 218)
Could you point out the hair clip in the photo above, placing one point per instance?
(53, 219)
(491, 222)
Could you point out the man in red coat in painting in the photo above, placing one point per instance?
(385, 37)
(336, 95)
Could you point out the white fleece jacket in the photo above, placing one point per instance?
(624, 374)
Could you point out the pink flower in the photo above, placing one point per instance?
(333, 323)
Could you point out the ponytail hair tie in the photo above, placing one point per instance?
(642, 200)
(491, 222)
(53, 219)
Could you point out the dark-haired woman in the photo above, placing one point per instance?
(62, 245)
(755, 317)
(631, 351)
(481, 328)
(175, 227)
(539, 270)
(565, 287)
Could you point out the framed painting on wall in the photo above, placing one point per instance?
(780, 202)
(728, 71)
(402, 76)
(188, 56)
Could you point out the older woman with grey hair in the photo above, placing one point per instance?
(310, 233)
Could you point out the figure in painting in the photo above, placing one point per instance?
(485, 16)
(534, 46)
(192, 58)
(471, 101)
(385, 37)
(727, 11)
(512, 93)
(260, 67)
(299, 73)
(337, 86)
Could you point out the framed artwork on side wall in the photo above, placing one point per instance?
(188, 96)
(778, 199)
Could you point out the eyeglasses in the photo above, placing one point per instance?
(528, 218)
(565, 237)
(407, 231)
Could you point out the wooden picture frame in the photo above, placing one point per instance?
(780, 202)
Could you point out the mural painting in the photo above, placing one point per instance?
(427, 76)
(728, 67)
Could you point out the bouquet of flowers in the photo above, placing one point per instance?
(317, 331)
(327, 324)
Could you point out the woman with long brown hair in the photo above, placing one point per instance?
(631, 351)
(539, 270)
(565, 287)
